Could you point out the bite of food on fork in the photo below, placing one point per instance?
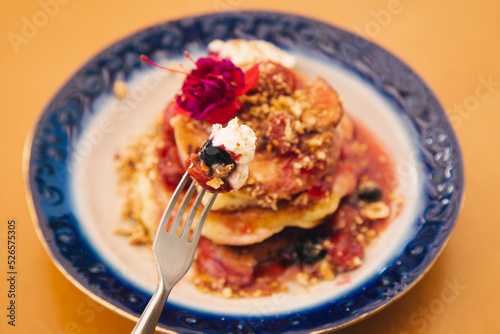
(221, 165)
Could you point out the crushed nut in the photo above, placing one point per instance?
(321, 155)
(221, 170)
(204, 167)
(357, 261)
(215, 183)
(227, 292)
(376, 210)
(120, 89)
(326, 271)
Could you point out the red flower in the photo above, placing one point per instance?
(210, 91)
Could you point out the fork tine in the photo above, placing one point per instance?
(173, 256)
(197, 231)
(182, 208)
(162, 226)
(191, 215)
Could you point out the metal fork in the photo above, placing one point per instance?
(173, 253)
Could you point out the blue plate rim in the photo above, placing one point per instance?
(35, 191)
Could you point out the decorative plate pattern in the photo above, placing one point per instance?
(48, 168)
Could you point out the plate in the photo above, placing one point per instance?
(68, 166)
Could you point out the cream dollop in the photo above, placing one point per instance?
(239, 140)
(242, 52)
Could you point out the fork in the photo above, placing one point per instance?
(173, 252)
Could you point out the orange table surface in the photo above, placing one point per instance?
(453, 45)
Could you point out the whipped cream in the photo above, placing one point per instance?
(242, 52)
(238, 140)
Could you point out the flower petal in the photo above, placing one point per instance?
(209, 92)
(179, 110)
(222, 115)
(251, 78)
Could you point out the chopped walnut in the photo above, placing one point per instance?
(120, 89)
(376, 210)
(215, 183)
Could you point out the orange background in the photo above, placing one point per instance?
(453, 45)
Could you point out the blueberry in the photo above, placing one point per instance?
(369, 191)
(310, 250)
(211, 155)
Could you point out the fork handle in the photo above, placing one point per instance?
(149, 318)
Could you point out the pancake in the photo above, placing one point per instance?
(318, 188)
(255, 224)
(145, 198)
(299, 138)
